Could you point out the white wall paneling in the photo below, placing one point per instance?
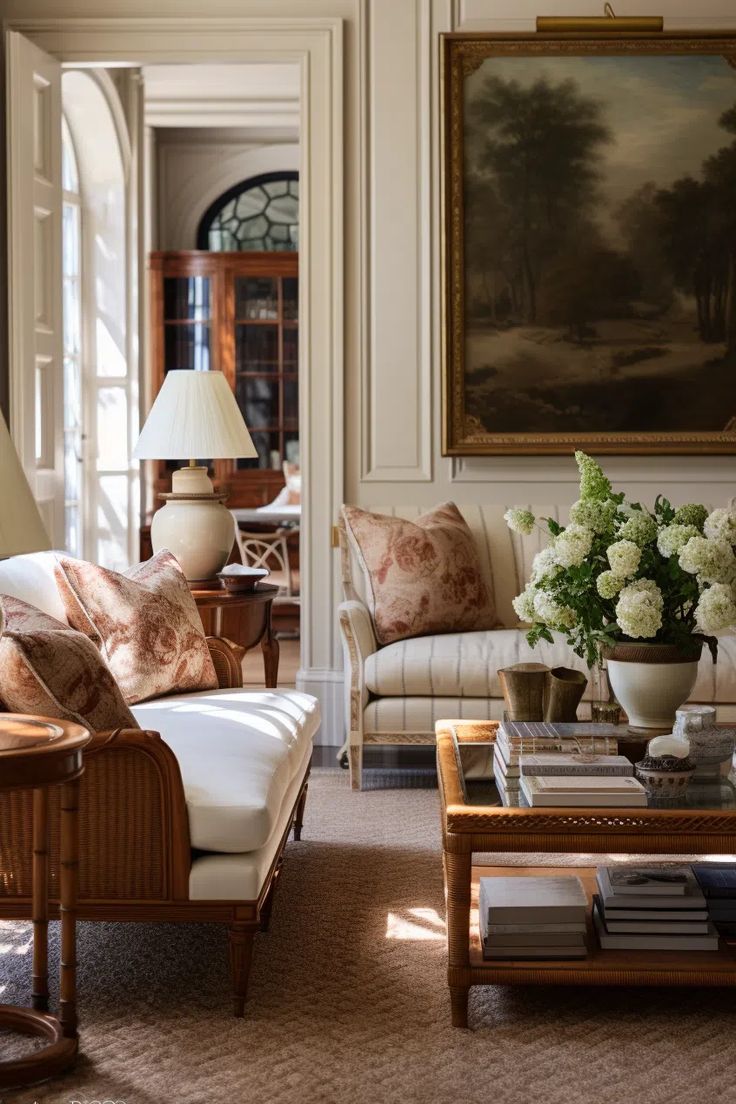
(222, 95)
(391, 380)
(396, 395)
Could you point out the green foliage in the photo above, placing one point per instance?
(530, 185)
(574, 588)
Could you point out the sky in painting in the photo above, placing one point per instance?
(663, 112)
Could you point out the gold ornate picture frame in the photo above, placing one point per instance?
(589, 243)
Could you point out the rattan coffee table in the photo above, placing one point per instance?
(474, 821)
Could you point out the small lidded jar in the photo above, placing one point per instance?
(710, 744)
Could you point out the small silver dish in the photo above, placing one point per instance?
(244, 580)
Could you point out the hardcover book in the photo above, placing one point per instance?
(533, 899)
(534, 938)
(716, 879)
(584, 763)
(547, 792)
(546, 735)
(620, 941)
(692, 898)
(663, 880)
(685, 924)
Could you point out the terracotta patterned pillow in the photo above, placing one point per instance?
(49, 669)
(145, 622)
(423, 576)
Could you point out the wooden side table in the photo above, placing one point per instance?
(37, 753)
(252, 621)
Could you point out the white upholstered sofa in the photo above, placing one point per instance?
(185, 818)
(394, 694)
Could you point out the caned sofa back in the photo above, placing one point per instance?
(506, 557)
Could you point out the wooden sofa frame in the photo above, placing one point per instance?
(134, 852)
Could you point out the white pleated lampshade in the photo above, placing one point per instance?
(195, 414)
(21, 527)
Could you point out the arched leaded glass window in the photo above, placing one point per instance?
(260, 214)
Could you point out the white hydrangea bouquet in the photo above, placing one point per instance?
(620, 573)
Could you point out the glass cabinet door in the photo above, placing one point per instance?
(187, 310)
(266, 366)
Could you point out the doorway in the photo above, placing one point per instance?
(223, 271)
(316, 46)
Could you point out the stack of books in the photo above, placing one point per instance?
(517, 739)
(532, 917)
(718, 883)
(652, 908)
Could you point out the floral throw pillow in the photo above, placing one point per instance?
(422, 576)
(48, 669)
(145, 622)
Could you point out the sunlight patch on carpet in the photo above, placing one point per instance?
(415, 923)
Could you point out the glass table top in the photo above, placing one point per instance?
(709, 788)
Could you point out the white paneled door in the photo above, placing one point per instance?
(35, 273)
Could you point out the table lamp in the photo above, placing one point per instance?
(21, 527)
(194, 414)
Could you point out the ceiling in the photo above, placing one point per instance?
(225, 95)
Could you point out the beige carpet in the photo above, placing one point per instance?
(340, 1012)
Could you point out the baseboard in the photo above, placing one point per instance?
(329, 688)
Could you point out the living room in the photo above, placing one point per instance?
(346, 996)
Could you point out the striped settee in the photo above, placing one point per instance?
(395, 693)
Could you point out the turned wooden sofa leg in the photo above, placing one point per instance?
(240, 942)
(299, 814)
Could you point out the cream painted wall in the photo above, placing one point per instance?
(392, 320)
(195, 167)
(392, 219)
(395, 400)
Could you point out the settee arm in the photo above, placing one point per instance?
(134, 824)
(358, 642)
(227, 658)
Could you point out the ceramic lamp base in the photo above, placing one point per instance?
(194, 525)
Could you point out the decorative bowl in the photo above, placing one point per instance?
(665, 776)
(244, 580)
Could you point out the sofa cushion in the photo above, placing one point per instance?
(49, 669)
(31, 578)
(461, 665)
(391, 716)
(145, 622)
(238, 752)
(220, 877)
(422, 576)
(465, 665)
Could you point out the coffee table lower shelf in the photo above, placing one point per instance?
(712, 968)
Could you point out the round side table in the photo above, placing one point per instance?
(254, 607)
(37, 753)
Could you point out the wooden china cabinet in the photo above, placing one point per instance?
(236, 313)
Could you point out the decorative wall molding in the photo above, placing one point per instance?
(396, 390)
(329, 688)
(221, 113)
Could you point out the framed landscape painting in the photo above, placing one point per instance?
(589, 243)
